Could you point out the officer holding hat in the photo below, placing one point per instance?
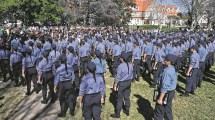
(166, 87)
(122, 84)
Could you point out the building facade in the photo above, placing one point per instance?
(150, 12)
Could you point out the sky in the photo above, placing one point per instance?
(172, 2)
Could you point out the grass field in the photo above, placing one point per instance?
(198, 107)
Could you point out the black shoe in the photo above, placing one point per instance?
(53, 100)
(1, 97)
(72, 112)
(184, 94)
(61, 115)
(44, 101)
(152, 86)
(27, 93)
(138, 79)
(126, 112)
(193, 93)
(115, 116)
(4, 80)
(16, 85)
(199, 85)
(37, 91)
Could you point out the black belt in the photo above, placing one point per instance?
(93, 93)
(48, 71)
(65, 80)
(31, 67)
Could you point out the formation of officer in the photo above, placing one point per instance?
(74, 63)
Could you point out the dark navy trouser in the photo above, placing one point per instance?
(48, 79)
(116, 63)
(66, 96)
(124, 90)
(202, 71)
(5, 67)
(157, 72)
(84, 62)
(17, 70)
(136, 71)
(191, 80)
(160, 110)
(92, 106)
(31, 74)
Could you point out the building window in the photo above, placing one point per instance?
(168, 9)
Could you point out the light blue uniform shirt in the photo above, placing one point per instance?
(15, 57)
(148, 49)
(54, 56)
(28, 62)
(90, 86)
(47, 46)
(64, 75)
(202, 53)
(45, 66)
(124, 72)
(168, 80)
(194, 60)
(136, 53)
(83, 51)
(169, 50)
(100, 47)
(117, 50)
(100, 65)
(72, 60)
(159, 55)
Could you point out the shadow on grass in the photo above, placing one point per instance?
(113, 97)
(180, 89)
(144, 107)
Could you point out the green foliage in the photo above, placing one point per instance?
(30, 11)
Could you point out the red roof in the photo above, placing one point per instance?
(142, 5)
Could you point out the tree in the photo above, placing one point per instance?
(30, 11)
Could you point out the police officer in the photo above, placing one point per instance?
(146, 59)
(136, 58)
(46, 72)
(83, 57)
(63, 82)
(91, 94)
(202, 55)
(129, 48)
(72, 59)
(47, 45)
(16, 64)
(117, 50)
(158, 64)
(54, 55)
(122, 84)
(38, 53)
(100, 64)
(167, 85)
(29, 71)
(192, 72)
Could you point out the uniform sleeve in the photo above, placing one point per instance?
(40, 68)
(156, 57)
(82, 88)
(57, 78)
(105, 66)
(192, 61)
(102, 87)
(118, 76)
(11, 59)
(23, 63)
(166, 83)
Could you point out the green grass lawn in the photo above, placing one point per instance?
(198, 107)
